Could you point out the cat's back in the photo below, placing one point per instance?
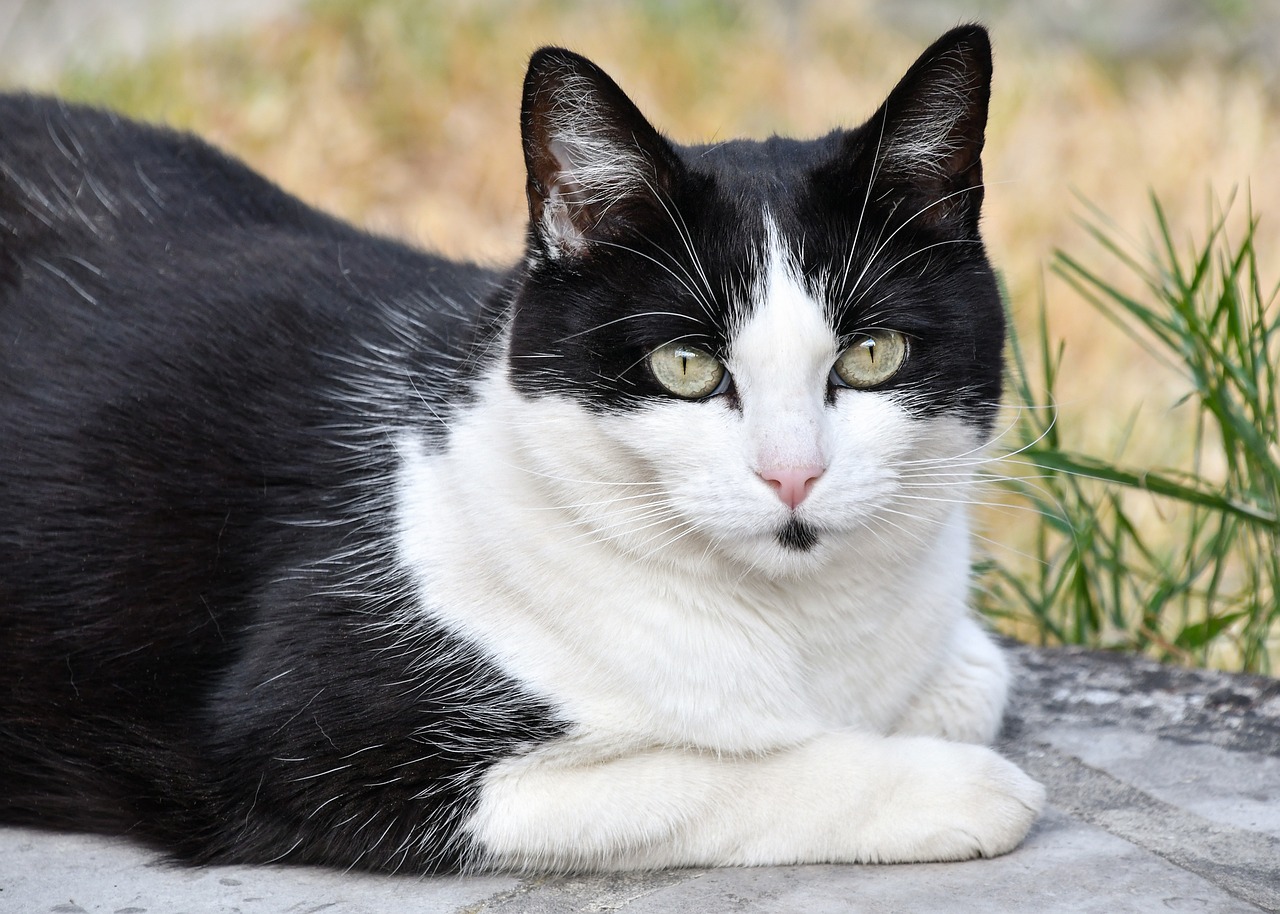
(190, 355)
(118, 238)
(69, 169)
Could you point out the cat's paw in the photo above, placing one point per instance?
(959, 802)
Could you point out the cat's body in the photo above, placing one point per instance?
(315, 548)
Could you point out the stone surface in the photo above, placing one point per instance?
(1164, 790)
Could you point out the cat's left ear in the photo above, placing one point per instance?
(926, 140)
(595, 166)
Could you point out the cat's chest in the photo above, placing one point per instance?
(658, 654)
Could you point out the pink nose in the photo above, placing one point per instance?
(792, 483)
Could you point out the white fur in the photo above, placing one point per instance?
(923, 142)
(731, 701)
(594, 168)
(840, 797)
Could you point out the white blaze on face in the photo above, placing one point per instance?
(780, 358)
(683, 482)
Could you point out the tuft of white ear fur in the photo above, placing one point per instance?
(595, 165)
(927, 137)
(594, 171)
(933, 131)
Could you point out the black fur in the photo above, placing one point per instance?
(798, 535)
(926, 269)
(184, 457)
(205, 640)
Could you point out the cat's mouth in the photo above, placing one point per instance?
(798, 536)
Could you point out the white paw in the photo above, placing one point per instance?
(954, 802)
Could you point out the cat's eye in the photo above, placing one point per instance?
(875, 357)
(688, 372)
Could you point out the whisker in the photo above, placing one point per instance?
(882, 244)
(885, 272)
(595, 504)
(682, 230)
(621, 524)
(674, 275)
(876, 162)
(575, 481)
(628, 528)
(685, 528)
(968, 502)
(629, 317)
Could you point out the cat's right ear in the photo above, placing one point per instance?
(595, 165)
(926, 140)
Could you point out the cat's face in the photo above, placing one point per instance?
(765, 349)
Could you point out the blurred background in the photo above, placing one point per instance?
(401, 115)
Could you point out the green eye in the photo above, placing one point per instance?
(687, 372)
(874, 358)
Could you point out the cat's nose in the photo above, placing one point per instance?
(792, 483)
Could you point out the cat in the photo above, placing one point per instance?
(650, 551)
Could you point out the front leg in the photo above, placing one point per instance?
(840, 798)
(964, 698)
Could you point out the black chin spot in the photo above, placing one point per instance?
(798, 535)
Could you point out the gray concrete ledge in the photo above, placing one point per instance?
(1164, 790)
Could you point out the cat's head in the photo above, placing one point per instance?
(770, 347)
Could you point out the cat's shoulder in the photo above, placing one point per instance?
(64, 163)
(90, 182)
(115, 229)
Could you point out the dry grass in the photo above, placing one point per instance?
(401, 115)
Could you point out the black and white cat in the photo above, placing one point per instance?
(650, 552)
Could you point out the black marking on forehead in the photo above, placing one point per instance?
(875, 266)
(585, 327)
(764, 176)
(661, 243)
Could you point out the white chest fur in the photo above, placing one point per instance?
(665, 645)
(626, 566)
